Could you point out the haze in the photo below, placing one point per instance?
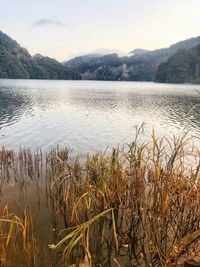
(64, 28)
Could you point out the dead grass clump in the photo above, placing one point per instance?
(136, 206)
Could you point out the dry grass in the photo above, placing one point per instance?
(136, 206)
(18, 244)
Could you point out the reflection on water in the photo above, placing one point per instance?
(91, 115)
(12, 107)
(85, 116)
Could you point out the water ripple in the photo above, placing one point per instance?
(91, 115)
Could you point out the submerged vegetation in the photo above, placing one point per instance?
(134, 206)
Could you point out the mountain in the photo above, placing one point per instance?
(100, 52)
(141, 66)
(177, 63)
(107, 67)
(16, 62)
(182, 67)
(138, 51)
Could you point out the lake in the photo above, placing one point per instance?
(84, 115)
(91, 115)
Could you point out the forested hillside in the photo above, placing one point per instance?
(16, 62)
(139, 67)
(182, 67)
(178, 63)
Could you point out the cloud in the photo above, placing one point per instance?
(48, 22)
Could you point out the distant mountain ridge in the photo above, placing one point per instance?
(16, 62)
(99, 53)
(142, 66)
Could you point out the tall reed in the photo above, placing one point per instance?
(137, 205)
(152, 190)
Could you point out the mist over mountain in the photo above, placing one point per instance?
(99, 53)
(138, 51)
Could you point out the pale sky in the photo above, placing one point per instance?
(64, 28)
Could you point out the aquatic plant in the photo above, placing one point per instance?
(153, 192)
(137, 205)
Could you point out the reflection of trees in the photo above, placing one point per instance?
(12, 105)
(173, 108)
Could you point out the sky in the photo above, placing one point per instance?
(64, 28)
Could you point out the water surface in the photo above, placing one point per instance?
(85, 116)
(91, 115)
